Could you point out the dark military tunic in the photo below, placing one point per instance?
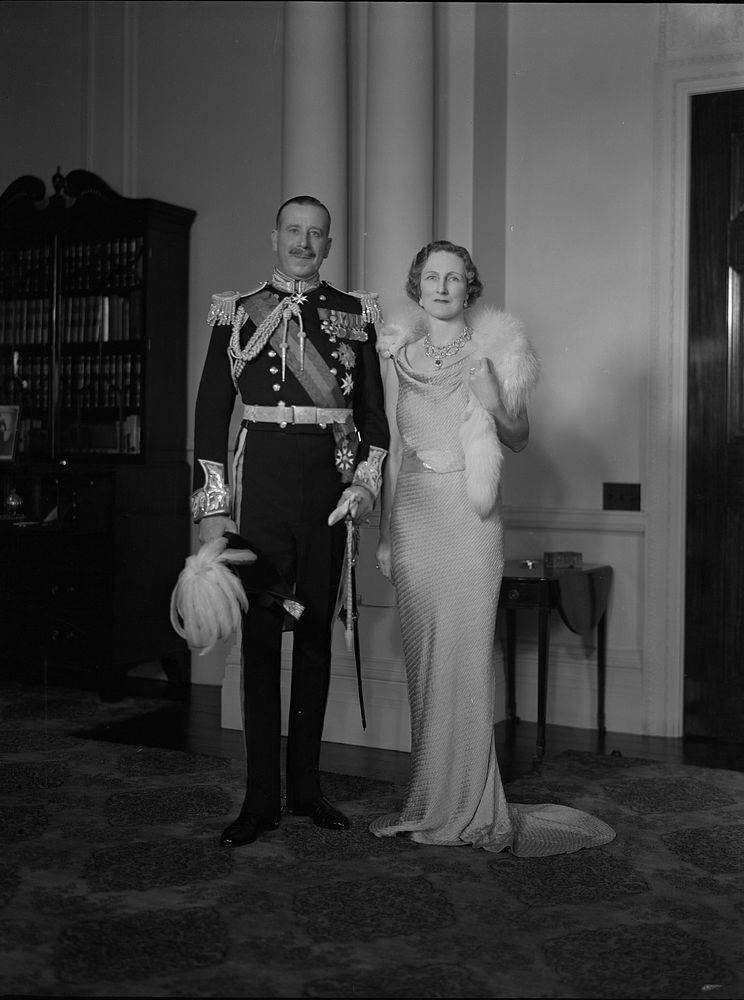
(354, 364)
(291, 479)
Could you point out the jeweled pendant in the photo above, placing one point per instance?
(438, 362)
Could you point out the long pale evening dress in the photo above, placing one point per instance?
(447, 565)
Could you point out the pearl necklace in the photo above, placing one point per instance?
(446, 350)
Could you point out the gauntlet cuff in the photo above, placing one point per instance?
(215, 496)
(369, 472)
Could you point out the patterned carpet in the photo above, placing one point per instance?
(112, 882)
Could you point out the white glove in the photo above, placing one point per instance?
(355, 501)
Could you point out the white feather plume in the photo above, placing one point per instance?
(208, 598)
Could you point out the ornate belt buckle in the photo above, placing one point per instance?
(305, 414)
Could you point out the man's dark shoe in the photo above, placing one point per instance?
(322, 813)
(245, 830)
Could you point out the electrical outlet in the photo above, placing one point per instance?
(621, 496)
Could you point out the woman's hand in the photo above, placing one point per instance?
(485, 384)
(383, 557)
(513, 431)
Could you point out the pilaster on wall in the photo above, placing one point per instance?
(314, 118)
(399, 196)
(109, 99)
(490, 62)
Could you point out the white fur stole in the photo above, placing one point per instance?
(498, 336)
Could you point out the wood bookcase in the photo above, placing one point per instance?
(94, 483)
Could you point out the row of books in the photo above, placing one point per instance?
(92, 380)
(27, 383)
(100, 318)
(116, 263)
(89, 380)
(25, 321)
(115, 437)
(80, 319)
(27, 271)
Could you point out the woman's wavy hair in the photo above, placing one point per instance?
(413, 282)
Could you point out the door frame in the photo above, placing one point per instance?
(675, 84)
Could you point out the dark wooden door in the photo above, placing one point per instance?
(714, 612)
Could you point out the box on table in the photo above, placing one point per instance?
(561, 560)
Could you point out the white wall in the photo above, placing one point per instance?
(598, 113)
(580, 144)
(579, 239)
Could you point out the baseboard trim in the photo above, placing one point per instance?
(572, 695)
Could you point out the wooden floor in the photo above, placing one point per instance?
(191, 722)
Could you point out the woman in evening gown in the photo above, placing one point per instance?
(457, 381)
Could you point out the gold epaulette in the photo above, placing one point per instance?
(222, 309)
(370, 307)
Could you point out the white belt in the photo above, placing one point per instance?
(284, 415)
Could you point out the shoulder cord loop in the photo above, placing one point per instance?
(284, 311)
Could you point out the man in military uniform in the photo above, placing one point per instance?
(301, 356)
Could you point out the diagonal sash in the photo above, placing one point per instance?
(316, 378)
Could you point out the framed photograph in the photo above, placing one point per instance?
(9, 423)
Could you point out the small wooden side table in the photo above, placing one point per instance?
(580, 596)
